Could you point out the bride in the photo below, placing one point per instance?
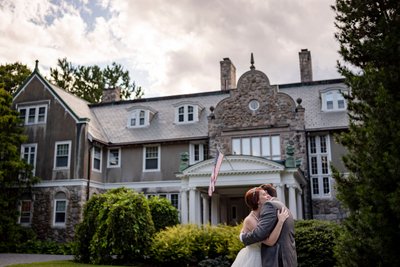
(251, 255)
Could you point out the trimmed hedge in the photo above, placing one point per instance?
(315, 241)
(183, 245)
(191, 245)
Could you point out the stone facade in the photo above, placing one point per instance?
(43, 210)
(256, 108)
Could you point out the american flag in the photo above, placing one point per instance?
(215, 171)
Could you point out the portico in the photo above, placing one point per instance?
(238, 174)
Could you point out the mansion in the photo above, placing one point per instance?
(269, 133)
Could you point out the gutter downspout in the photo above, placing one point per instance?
(89, 171)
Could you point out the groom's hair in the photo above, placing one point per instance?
(270, 189)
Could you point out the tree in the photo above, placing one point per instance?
(88, 82)
(369, 37)
(13, 75)
(163, 213)
(116, 228)
(15, 174)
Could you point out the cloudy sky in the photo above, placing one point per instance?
(172, 46)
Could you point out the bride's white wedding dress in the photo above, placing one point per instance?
(249, 256)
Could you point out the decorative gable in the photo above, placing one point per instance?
(235, 165)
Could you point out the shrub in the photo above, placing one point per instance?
(183, 245)
(220, 261)
(315, 241)
(116, 226)
(163, 213)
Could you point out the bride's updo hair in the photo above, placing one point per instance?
(252, 196)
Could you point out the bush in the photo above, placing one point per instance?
(163, 213)
(315, 241)
(183, 245)
(116, 227)
(220, 261)
(189, 245)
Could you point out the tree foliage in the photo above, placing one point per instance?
(88, 82)
(13, 75)
(163, 213)
(117, 226)
(369, 37)
(15, 173)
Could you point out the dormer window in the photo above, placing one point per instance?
(333, 100)
(187, 113)
(138, 118)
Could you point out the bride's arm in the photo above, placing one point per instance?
(283, 214)
(247, 225)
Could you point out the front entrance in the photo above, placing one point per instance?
(236, 211)
(226, 205)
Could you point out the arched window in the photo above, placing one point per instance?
(60, 209)
(333, 100)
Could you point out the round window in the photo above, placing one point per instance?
(254, 105)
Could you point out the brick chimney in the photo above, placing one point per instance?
(111, 95)
(305, 66)
(228, 74)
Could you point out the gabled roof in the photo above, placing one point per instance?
(77, 107)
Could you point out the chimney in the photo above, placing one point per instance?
(305, 65)
(111, 95)
(228, 74)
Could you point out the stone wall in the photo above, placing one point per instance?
(43, 212)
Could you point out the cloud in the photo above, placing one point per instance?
(172, 47)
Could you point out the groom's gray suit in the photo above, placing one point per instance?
(283, 253)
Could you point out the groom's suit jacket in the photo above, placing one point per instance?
(283, 253)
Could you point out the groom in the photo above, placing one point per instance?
(283, 253)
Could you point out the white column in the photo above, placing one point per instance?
(206, 208)
(192, 205)
(299, 205)
(184, 207)
(215, 209)
(197, 210)
(280, 192)
(292, 200)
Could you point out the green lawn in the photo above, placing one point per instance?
(66, 264)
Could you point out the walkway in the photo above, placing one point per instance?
(8, 259)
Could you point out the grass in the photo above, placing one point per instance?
(66, 264)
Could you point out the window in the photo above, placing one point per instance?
(114, 158)
(62, 155)
(254, 105)
(333, 100)
(262, 146)
(151, 158)
(186, 113)
(60, 209)
(139, 118)
(28, 153)
(33, 114)
(172, 197)
(197, 153)
(96, 159)
(319, 165)
(25, 217)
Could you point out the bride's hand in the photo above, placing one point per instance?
(283, 214)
